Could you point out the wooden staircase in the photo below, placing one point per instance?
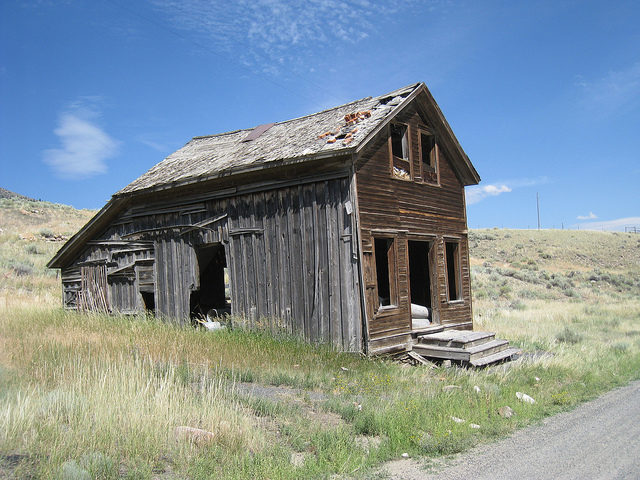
(477, 349)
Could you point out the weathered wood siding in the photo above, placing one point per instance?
(122, 259)
(408, 210)
(290, 252)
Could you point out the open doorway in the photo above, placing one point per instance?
(212, 299)
(149, 302)
(420, 283)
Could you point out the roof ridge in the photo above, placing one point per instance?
(410, 86)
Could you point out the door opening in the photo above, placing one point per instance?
(149, 301)
(212, 299)
(420, 283)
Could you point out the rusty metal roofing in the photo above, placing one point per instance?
(337, 130)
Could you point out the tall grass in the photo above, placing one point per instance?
(82, 393)
(92, 396)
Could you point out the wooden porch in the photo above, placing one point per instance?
(458, 343)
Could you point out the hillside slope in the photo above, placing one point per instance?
(511, 265)
(30, 233)
(507, 265)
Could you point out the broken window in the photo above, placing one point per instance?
(399, 141)
(400, 151)
(385, 271)
(429, 157)
(452, 253)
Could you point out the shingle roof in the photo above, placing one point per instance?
(337, 130)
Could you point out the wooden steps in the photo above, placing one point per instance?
(467, 347)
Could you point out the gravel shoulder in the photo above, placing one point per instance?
(597, 440)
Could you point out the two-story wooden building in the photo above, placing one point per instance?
(330, 225)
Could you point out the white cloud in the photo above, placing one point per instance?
(84, 145)
(476, 193)
(612, 225)
(615, 90)
(591, 216)
(279, 32)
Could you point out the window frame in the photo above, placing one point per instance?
(406, 162)
(457, 267)
(392, 257)
(434, 156)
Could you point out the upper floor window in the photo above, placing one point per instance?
(400, 160)
(399, 141)
(428, 157)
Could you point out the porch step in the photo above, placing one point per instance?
(496, 357)
(457, 338)
(463, 354)
(468, 347)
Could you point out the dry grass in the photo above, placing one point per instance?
(30, 234)
(89, 396)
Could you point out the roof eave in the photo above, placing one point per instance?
(239, 170)
(80, 238)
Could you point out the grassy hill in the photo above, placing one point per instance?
(30, 233)
(92, 396)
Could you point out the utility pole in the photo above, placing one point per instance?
(538, 205)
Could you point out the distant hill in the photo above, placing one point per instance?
(4, 193)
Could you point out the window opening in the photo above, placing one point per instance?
(452, 250)
(213, 297)
(400, 165)
(399, 141)
(429, 154)
(385, 268)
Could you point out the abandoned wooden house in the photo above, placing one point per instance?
(335, 226)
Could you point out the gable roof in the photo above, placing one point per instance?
(341, 130)
(292, 141)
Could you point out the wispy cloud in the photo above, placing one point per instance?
(85, 146)
(477, 193)
(618, 224)
(277, 33)
(591, 216)
(160, 147)
(615, 90)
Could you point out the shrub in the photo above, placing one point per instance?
(569, 336)
(46, 233)
(32, 249)
(561, 398)
(620, 347)
(22, 268)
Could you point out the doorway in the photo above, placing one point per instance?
(420, 282)
(212, 299)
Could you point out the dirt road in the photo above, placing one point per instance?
(598, 440)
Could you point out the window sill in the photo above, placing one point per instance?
(456, 302)
(387, 310)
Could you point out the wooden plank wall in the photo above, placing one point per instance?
(122, 289)
(290, 253)
(406, 209)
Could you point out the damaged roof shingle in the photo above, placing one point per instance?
(301, 139)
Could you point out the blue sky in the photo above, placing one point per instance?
(543, 96)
